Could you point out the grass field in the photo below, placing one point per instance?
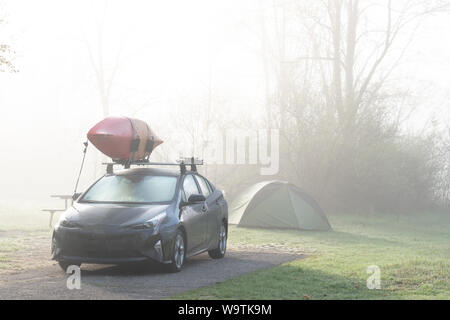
(22, 233)
(412, 252)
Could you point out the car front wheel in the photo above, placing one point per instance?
(65, 264)
(222, 245)
(178, 254)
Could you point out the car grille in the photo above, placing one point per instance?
(98, 245)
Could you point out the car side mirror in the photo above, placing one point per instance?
(76, 196)
(196, 198)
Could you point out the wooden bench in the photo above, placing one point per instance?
(52, 212)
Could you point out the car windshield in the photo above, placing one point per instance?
(132, 189)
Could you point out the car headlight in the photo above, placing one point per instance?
(154, 223)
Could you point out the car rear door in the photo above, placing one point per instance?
(214, 210)
(193, 216)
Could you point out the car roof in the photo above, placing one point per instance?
(148, 172)
(156, 172)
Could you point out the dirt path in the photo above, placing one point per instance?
(41, 278)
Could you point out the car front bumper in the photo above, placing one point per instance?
(106, 245)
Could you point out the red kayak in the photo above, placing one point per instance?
(124, 139)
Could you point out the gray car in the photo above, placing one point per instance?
(143, 214)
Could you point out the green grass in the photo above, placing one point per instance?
(413, 254)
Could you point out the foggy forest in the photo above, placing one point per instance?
(357, 89)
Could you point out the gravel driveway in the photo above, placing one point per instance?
(113, 282)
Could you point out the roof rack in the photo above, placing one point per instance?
(182, 163)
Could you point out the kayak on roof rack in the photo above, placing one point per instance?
(124, 139)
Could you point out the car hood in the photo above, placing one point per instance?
(87, 214)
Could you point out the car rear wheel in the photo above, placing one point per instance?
(178, 254)
(222, 245)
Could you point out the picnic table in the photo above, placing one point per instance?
(66, 199)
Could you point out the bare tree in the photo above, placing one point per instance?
(338, 112)
(104, 76)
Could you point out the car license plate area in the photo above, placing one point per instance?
(110, 244)
(95, 244)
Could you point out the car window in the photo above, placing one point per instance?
(132, 189)
(210, 186)
(189, 187)
(204, 186)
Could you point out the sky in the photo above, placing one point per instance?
(169, 54)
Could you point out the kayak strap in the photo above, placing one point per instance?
(81, 168)
(149, 147)
(134, 145)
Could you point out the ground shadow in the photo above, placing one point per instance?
(154, 268)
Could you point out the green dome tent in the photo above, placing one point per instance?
(277, 204)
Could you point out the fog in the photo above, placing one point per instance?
(172, 63)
